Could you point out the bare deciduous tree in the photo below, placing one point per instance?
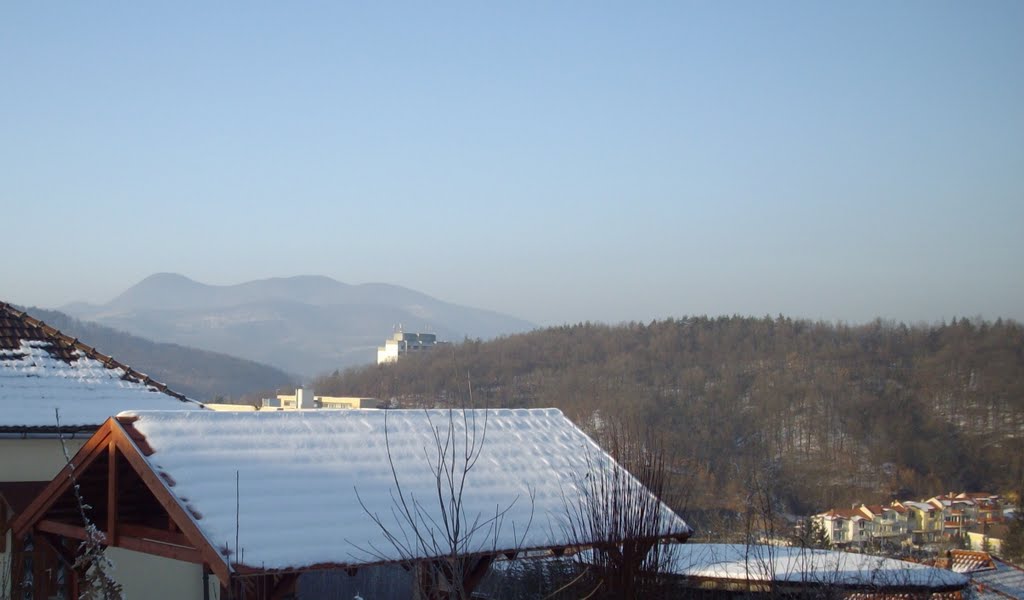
(92, 564)
(621, 516)
(451, 544)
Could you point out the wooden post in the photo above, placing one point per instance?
(112, 491)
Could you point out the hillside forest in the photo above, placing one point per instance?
(199, 374)
(825, 414)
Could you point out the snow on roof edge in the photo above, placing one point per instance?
(318, 456)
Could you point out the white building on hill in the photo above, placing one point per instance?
(402, 343)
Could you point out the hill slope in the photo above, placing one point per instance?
(828, 413)
(198, 374)
(306, 325)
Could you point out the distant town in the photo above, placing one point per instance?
(972, 520)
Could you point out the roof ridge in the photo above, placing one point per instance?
(108, 361)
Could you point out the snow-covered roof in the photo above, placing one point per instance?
(1005, 581)
(803, 566)
(967, 561)
(43, 370)
(311, 483)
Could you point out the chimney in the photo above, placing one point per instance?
(303, 398)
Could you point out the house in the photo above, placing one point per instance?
(754, 570)
(255, 499)
(973, 516)
(402, 343)
(888, 523)
(959, 513)
(845, 527)
(989, 507)
(45, 376)
(926, 522)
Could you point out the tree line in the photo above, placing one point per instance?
(830, 413)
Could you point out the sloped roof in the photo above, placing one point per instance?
(1005, 581)
(922, 506)
(41, 370)
(967, 561)
(843, 513)
(310, 484)
(802, 566)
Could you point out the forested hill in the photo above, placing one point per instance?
(198, 374)
(832, 413)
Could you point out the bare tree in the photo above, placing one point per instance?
(622, 517)
(91, 562)
(451, 544)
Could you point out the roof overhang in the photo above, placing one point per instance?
(135, 509)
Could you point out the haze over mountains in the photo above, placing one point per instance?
(199, 374)
(306, 325)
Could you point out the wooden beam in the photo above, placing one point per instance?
(284, 587)
(152, 533)
(183, 553)
(190, 555)
(75, 532)
(93, 449)
(184, 520)
(113, 489)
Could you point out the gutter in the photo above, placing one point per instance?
(35, 435)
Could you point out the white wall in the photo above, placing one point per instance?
(29, 460)
(34, 459)
(155, 578)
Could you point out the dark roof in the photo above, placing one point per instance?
(21, 334)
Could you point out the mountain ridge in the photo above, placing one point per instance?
(305, 324)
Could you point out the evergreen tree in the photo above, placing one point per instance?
(811, 534)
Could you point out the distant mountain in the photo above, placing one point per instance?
(307, 325)
(199, 374)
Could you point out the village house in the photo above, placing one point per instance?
(844, 527)
(45, 376)
(888, 523)
(964, 516)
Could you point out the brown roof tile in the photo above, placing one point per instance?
(17, 326)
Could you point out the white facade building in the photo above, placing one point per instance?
(402, 343)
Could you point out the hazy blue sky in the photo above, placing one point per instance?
(559, 161)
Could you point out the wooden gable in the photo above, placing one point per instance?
(124, 499)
